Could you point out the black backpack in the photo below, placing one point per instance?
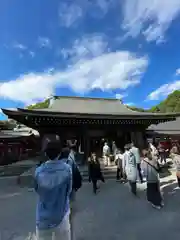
(76, 177)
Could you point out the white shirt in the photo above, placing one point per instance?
(106, 149)
(153, 149)
(119, 155)
(71, 156)
(125, 159)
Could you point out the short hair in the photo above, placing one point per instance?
(53, 149)
(174, 150)
(119, 150)
(127, 146)
(65, 153)
(93, 153)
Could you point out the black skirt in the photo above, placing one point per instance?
(154, 194)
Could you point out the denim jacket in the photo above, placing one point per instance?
(53, 184)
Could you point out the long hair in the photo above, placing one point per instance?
(93, 154)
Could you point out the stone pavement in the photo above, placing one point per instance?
(113, 214)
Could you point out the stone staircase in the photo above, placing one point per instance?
(26, 179)
(108, 173)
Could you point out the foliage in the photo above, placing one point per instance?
(7, 125)
(137, 109)
(170, 104)
(44, 104)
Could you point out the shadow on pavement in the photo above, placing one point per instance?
(165, 172)
(171, 189)
(162, 183)
(171, 194)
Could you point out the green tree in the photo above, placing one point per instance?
(40, 105)
(170, 104)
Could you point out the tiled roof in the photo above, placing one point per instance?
(82, 105)
(88, 105)
(167, 126)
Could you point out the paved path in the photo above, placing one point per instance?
(112, 214)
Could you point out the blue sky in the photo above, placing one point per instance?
(125, 49)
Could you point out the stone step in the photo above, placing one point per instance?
(108, 173)
(26, 179)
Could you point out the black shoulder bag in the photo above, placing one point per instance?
(156, 169)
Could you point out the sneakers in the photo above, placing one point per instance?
(156, 207)
(162, 204)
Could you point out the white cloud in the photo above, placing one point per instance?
(164, 90)
(115, 70)
(104, 5)
(32, 54)
(151, 18)
(69, 14)
(44, 42)
(177, 72)
(120, 95)
(19, 46)
(129, 104)
(86, 47)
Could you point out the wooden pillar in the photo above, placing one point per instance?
(138, 139)
(86, 140)
(134, 138)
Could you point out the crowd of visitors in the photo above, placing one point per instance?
(133, 165)
(58, 179)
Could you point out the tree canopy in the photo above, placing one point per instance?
(170, 104)
(39, 105)
(7, 124)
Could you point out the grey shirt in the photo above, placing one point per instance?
(149, 171)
